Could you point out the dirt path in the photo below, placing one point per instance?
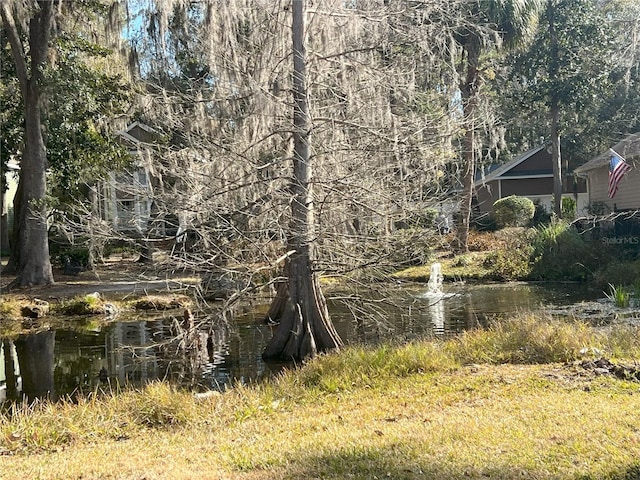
(115, 278)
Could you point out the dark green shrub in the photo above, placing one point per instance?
(513, 211)
(541, 216)
(76, 255)
(569, 207)
(617, 272)
(561, 253)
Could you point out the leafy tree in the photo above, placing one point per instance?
(75, 101)
(566, 68)
(482, 26)
(81, 101)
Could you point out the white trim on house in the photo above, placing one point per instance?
(495, 174)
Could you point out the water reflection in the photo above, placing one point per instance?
(213, 354)
(35, 358)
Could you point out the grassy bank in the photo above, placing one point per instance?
(517, 401)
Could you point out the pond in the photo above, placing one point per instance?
(136, 350)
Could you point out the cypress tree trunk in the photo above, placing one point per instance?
(305, 325)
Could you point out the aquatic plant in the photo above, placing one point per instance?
(619, 295)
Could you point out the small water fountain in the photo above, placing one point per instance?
(434, 286)
(435, 295)
(435, 280)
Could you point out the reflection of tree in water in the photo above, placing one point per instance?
(11, 379)
(187, 351)
(179, 350)
(36, 361)
(210, 351)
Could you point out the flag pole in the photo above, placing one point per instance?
(617, 154)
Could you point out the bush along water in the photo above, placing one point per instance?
(561, 253)
(512, 261)
(557, 252)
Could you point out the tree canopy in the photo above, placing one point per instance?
(404, 101)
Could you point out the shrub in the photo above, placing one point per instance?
(541, 215)
(618, 272)
(569, 207)
(76, 255)
(513, 211)
(512, 259)
(561, 253)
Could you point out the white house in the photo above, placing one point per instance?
(126, 195)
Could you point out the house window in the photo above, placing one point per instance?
(142, 178)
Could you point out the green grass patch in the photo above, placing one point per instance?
(528, 339)
(160, 302)
(90, 304)
(619, 295)
(503, 403)
(10, 310)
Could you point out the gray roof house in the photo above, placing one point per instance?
(527, 175)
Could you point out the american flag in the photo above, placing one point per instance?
(617, 168)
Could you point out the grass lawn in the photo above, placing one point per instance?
(472, 407)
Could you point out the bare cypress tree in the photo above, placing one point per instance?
(381, 118)
(304, 323)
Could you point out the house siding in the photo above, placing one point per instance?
(539, 190)
(487, 196)
(529, 175)
(628, 196)
(527, 187)
(537, 163)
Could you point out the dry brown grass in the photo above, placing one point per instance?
(408, 412)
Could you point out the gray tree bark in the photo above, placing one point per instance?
(554, 113)
(469, 90)
(33, 267)
(305, 325)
